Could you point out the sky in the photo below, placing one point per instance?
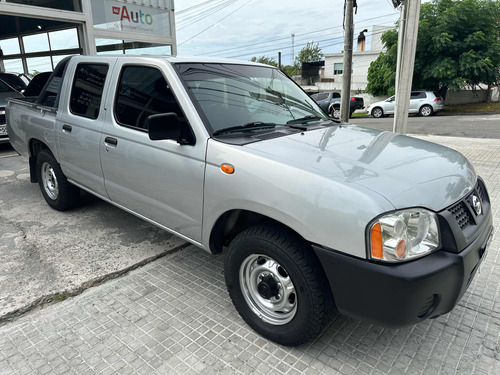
(242, 29)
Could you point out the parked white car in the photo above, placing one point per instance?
(424, 103)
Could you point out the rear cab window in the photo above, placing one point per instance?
(88, 86)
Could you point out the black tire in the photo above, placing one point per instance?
(425, 111)
(57, 191)
(335, 112)
(377, 112)
(308, 303)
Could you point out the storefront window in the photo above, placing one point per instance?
(10, 46)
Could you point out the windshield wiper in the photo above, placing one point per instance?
(248, 126)
(304, 119)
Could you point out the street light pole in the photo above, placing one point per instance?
(406, 58)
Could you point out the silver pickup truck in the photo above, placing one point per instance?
(314, 216)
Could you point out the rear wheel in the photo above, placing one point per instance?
(425, 110)
(377, 112)
(277, 285)
(57, 191)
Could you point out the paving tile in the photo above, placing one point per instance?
(174, 316)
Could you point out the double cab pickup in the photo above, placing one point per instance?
(314, 216)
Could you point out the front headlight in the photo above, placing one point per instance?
(404, 235)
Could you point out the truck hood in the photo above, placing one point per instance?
(408, 172)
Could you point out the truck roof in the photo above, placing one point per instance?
(173, 59)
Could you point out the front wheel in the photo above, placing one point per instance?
(277, 285)
(377, 112)
(57, 191)
(335, 112)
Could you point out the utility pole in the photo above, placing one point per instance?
(347, 64)
(279, 60)
(407, 45)
(293, 48)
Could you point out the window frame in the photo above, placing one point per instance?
(338, 71)
(115, 100)
(102, 93)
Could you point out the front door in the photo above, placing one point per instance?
(159, 180)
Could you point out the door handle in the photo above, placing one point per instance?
(67, 128)
(111, 141)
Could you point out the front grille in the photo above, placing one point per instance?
(462, 215)
(2, 119)
(480, 193)
(463, 212)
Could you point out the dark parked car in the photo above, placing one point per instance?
(36, 85)
(5, 92)
(330, 103)
(18, 81)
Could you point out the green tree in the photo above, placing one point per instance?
(382, 71)
(289, 70)
(458, 45)
(264, 60)
(311, 52)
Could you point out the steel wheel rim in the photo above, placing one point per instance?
(257, 274)
(49, 181)
(425, 111)
(336, 113)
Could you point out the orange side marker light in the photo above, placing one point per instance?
(376, 242)
(227, 168)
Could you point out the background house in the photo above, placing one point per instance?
(330, 74)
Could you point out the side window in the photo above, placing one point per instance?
(417, 95)
(87, 90)
(338, 68)
(142, 92)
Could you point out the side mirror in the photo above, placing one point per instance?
(164, 126)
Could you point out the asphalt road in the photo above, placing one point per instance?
(473, 126)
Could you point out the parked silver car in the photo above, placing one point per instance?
(425, 103)
(5, 92)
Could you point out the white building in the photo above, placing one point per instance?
(331, 73)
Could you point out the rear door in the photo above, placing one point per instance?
(81, 120)
(417, 99)
(159, 180)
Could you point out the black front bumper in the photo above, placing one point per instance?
(397, 295)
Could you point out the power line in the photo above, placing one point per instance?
(340, 42)
(187, 10)
(260, 43)
(215, 23)
(192, 19)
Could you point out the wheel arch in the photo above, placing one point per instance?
(426, 105)
(35, 146)
(333, 105)
(235, 221)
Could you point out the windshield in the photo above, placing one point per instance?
(233, 95)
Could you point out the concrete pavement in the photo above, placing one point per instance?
(174, 315)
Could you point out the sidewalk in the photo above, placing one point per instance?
(173, 316)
